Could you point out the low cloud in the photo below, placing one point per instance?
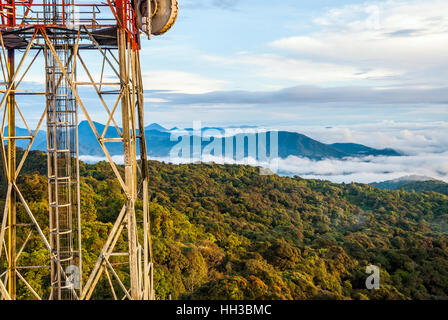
(314, 94)
(362, 170)
(368, 169)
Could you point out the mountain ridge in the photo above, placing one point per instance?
(161, 143)
(414, 183)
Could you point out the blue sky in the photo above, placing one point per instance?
(299, 62)
(368, 72)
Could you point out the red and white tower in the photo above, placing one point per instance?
(80, 47)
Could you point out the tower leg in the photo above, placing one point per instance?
(147, 246)
(129, 162)
(12, 223)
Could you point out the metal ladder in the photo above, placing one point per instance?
(63, 167)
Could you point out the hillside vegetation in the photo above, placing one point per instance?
(414, 186)
(226, 232)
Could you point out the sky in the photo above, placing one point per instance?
(369, 72)
(295, 62)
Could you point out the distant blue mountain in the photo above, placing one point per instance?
(156, 127)
(40, 143)
(220, 129)
(414, 184)
(160, 144)
(361, 150)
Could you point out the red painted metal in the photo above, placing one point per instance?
(19, 14)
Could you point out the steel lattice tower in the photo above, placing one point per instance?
(62, 150)
(56, 36)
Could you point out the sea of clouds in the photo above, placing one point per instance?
(363, 170)
(424, 147)
(368, 169)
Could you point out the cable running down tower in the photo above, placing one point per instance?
(81, 47)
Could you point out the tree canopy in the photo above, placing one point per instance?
(227, 232)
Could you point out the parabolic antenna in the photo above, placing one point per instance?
(163, 15)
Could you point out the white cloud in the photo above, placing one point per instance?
(410, 138)
(155, 100)
(369, 169)
(273, 66)
(409, 38)
(395, 42)
(180, 82)
(361, 170)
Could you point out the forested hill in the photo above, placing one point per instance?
(226, 232)
(414, 186)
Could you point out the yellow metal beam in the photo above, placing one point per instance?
(12, 278)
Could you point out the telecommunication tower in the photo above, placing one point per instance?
(78, 47)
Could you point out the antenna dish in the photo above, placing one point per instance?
(163, 15)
